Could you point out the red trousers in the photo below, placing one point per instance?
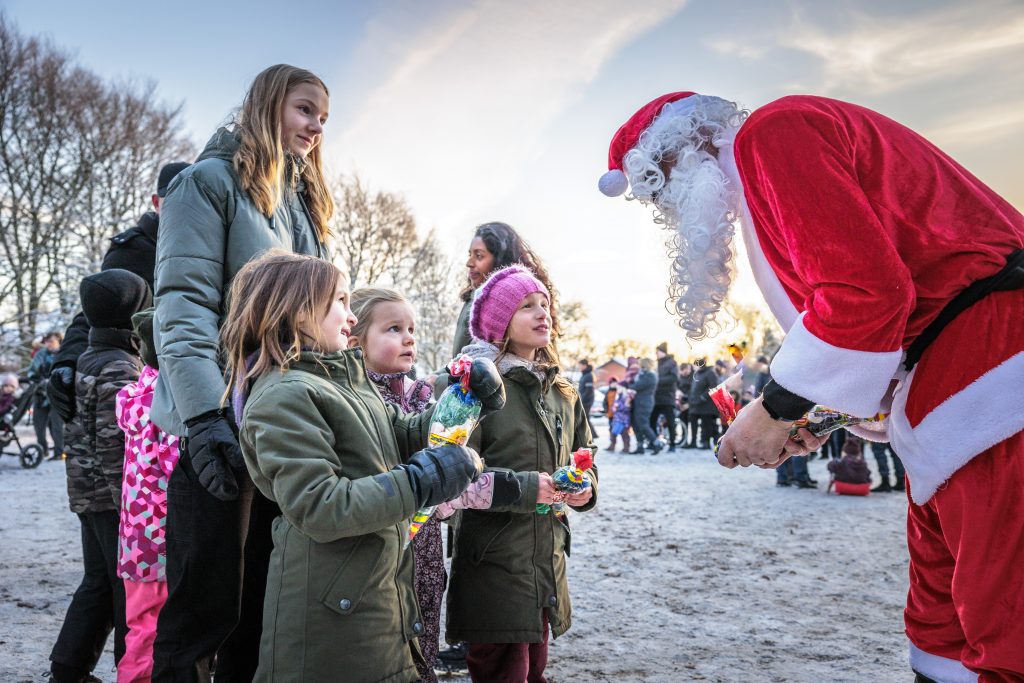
(509, 662)
(966, 599)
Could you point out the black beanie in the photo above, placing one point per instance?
(110, 298)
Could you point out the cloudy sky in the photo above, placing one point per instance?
(494, 110)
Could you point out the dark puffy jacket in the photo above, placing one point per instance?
(95, 462)
(209, 230)
(704, 380)
(132, 250)
(645, 384)
(39, 371)
(668, 378)
(850, 469)
(587, 388)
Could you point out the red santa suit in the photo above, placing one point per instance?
(859, 232)
(862, 231)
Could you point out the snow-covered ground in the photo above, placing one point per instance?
(685, 571)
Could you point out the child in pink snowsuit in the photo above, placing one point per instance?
(150, 456)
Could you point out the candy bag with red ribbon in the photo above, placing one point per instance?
(568, 480)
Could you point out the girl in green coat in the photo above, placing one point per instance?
(508, 586)
(347, 471)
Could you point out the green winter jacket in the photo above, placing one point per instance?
(340, 604)
(509, 563)
(209, 229)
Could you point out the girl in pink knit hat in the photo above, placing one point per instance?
(508, 587)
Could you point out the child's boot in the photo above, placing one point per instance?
(883, 487)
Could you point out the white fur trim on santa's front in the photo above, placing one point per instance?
(767, 281)
(985, 412)
(853, 382)
(940, 669)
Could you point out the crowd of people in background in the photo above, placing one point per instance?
(667, 405)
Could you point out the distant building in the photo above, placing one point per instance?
(613, 369)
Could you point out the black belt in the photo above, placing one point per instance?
(1010, 277)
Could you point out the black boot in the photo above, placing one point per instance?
(883, 487)
(899, 485)
(62, 673)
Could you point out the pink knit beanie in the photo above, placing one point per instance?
(497, 301)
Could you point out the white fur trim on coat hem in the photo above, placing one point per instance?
(985, 412)
(853, 382)
(940, 669)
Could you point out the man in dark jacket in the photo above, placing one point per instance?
(665, 394)
(702, 408)
(586, 388)
(95, 467)
(645, 384)
(133, 250)
(43, 415)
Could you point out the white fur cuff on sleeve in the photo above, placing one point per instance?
(853, 382)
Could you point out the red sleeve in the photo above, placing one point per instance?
(801, 181)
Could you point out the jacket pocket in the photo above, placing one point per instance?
(354, 575)
(483, 530)
(562, 521)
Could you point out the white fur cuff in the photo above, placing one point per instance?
(853, 382)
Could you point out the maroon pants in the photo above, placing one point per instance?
(509, 662)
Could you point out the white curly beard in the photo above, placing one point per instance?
(699, 203)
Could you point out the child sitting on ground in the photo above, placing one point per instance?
(850, 474)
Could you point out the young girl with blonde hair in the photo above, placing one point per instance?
(346, 469)
(258, 185)
(386, 332)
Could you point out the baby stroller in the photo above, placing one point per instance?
(32, 454)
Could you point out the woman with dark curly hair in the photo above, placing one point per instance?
(495, 246)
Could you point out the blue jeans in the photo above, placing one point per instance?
(880, 449)
(794, 469)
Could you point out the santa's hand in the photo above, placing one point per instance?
(803, 442)
(754, 438)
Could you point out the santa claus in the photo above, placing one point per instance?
(899, 279)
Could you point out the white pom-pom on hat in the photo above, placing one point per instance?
(613, 183)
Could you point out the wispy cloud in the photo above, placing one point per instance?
(877, 55)
(978, 126)
(475, 91)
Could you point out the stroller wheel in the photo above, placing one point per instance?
(31, 455)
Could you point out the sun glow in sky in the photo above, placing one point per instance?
(491, 110)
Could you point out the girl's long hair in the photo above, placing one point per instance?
(364, 301)
(261, 158)
(274, 299)
(509, 248)
(546, 358)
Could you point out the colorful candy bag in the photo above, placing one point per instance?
(456, 414)
(819, 421)
(570, 479)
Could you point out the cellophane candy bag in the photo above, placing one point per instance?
(456, 414)
(819, 421)
(570, 479)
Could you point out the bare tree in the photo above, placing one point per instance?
(623, 348)
(428, 281)
(376, 231)
(575, 343)
(78, 158)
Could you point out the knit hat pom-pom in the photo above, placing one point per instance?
(613, 183)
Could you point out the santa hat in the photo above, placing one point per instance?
(614, 182)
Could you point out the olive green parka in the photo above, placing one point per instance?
(340, 604)
(509, 563)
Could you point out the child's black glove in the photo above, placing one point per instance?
(506, 489)
(61, 391)
(440, 473)
(214, 453)
(486, 385)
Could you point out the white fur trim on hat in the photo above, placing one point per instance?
(613, 183)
